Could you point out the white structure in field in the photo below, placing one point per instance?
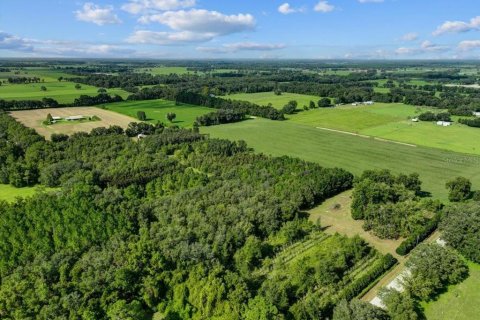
(444, 123)
(74, 118)
(56, 118)
(476, 113)
(415, 119)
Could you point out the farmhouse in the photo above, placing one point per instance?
(444, 123)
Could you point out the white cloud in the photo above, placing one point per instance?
(424, 48)
(11, 42)
(143, 6)
(242, 46)
(286, 8)
(370, 1)
(324, 6)
(168, 38)
(96, 14)
(411, 36)
(458, 26)
(468, 45)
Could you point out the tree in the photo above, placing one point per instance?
(459, 189)
(102, 90)
(60, 79)
(432, 268)
(171, 116)
(277, 92)
(290, 107)
(43, 88)
(49, 119)
(141, 115)
(312, 105)
(78, 86)
(324, 103)
(460, 228)
(400, 306)
(358, 310)
(260, 309)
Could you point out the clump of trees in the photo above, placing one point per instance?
(470, 122)
(290, 107)
(219, 117)
(459, 189)
(390, 205)
(460, 227)
(430, 116)
(171, 116)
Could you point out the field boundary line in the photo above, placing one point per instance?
(365, 136)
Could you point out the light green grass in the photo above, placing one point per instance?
(46, 74)
(353, 153)
(63, 92)
(264, 98)
(390, 121)
(156, 110)
(164, 70)
(460, 302)
(10, 193)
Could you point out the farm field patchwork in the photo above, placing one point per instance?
(460, 302)
(353, 153)
(34, 119)
(156, 110)
(390, 121)
(63, 92)
(264, 98)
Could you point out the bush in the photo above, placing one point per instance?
(411, 242)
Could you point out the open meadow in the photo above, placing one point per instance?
(34, 119)
(63, 92)
(9, 193)
(392, 121)
(156, 110)
(354, 153)
(264, 98)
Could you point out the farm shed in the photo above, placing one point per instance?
(444, 123)
(73, 118)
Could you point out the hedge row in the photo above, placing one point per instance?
(411, 242)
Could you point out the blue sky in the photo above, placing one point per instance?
(270, 29)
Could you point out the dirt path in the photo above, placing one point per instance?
(368, 137)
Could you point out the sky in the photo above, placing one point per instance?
(252, 29)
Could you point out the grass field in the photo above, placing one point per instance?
(264, 98)
(353, 153)
(164, 70)
(340, 220)
(156, 110)
(34, 119)
(460, 302)
(390, 121)
(9, 193)
(63, 92)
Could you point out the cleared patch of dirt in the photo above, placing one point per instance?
(34, 119)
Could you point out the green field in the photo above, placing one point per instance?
(353, 153)
(390, 121)
(460, 302)
(63, 92)
(9, 193)
(264, 98)
(46, 74)
(156, 110)
(164, 70)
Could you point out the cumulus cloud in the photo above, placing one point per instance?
(411, 36)
(425, 47)
(192, 26)
(286, 8)
(96, 14)
(324, 6)
(468, 45)
(242, 46)
(143, 6)
(458, 26)
(11, 42)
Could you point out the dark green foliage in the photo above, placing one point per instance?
(430, 116)
(219, 117)
(169, 226)
(171, 116)
(459, 189)
(141, 116)
(461, 229)
(471, 122)
(358, 310)
(432, 269)
(290, 107)
(400, 306)
(414, 239)
(59, 137)
(324, 103)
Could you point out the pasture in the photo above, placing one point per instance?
(264, 98)
(161, 70)
(156, 110)
(460, 302)
(9, 193)
(63, 92)
(353, 153)
(391, 121)
(34, 119)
